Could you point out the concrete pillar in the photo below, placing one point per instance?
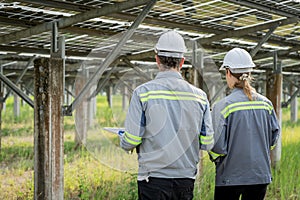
(16, 105)
(294, 105)
(125, 98)
(48, 129)
(1, 108)
(274, 90)
(109, 91)
(81, 111)
(4, 90)
(91, 107)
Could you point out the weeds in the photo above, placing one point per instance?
(100, 171)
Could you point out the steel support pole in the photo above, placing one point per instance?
(111, 56)
(1, 108)
(274, 90)
(109, 93)
(294, 103)
(16, 105)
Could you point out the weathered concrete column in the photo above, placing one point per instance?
(81, 112)
(124, 98)
(198, 64)
(109, 91)
(91, 107)
(16, 105)
(3, 91)
(48, 129)
(1, 108)
(274, 90)
(294, 105)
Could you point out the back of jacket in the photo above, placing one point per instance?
(168, 121)
(245, 131)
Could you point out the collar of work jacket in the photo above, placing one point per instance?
(168, 74)
(234, 90)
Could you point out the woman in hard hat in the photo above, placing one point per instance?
(168, 121)
(246, 129)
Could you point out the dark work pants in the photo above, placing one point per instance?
(166, 189)
(248, 192)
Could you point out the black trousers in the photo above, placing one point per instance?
(248, 192)
(166, 189)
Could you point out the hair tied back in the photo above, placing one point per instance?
(244, 77)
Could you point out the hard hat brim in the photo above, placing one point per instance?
(237, 70)
(170, 54)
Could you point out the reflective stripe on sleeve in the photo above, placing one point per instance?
(206, 139)
(215, 155)
(132, 139)
(249, 105)
(273, 147)
(172, 95)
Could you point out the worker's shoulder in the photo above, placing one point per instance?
(147, 86)
(196, 90)
(260, 97)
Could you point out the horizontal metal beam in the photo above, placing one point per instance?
(59, 4)
(262, 7)
(246, 31)
(68, 21)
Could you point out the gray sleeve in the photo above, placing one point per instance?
(275, 129)
(220, 136)
(206, 133)
(134, 124)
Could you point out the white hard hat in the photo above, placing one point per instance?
(238, 61)
(170, 44)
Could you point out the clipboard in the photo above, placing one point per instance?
(116, 130)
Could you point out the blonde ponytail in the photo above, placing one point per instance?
(243, 82)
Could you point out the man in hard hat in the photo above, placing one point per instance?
(246, 129)
(168, 121)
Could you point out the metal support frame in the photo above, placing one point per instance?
(263, 40)
(246, 31)
(218, 93)
(124, 83)
(293, 96)
(17, 90)
(101, 84)
(255, 5)
(198, 64)
(21, 76)
(110, 58)
(136, 68)
(68, 21)
(69, 92)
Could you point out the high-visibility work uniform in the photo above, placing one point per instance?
(169, 122)
(245, 131)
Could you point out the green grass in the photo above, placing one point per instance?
(103, 171)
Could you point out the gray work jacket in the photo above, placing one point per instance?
(168, 121)
(245, 131)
